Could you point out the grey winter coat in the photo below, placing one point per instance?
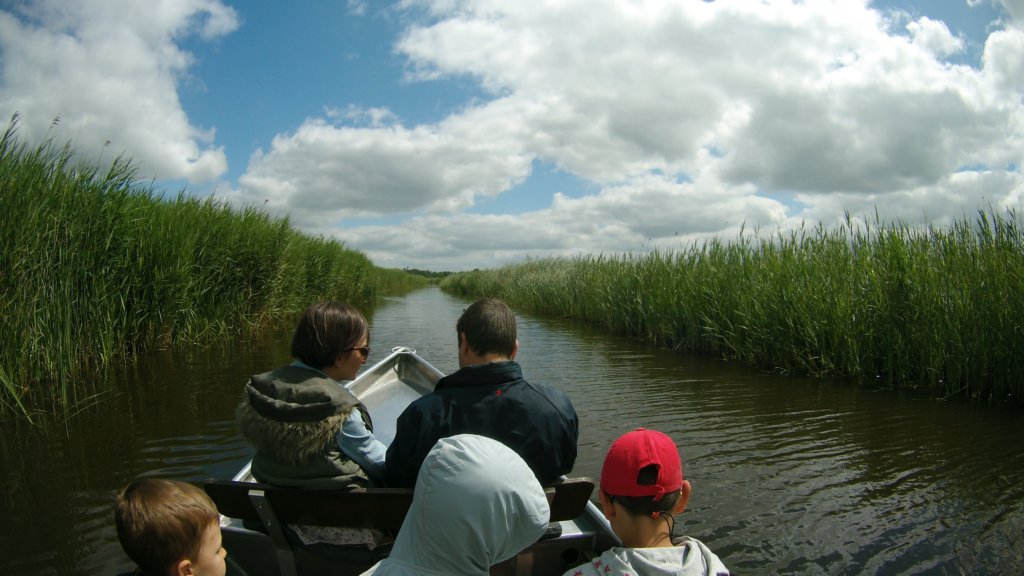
(291, 416)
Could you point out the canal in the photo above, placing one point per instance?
(789, 475)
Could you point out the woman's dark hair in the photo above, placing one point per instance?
(325, 330)
(489, 326)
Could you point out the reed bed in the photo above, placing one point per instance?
(398, 281)
(938, 309)
(96, 267)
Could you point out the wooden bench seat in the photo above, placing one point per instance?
(381, 508)
(271, 507)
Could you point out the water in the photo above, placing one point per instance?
(790, 476)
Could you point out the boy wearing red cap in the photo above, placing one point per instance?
(642, 489)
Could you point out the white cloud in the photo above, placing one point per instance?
(109, 70)
(685, 119)
(356, 7)
(375, 117)
(957, 196)
(935, 37)
(324, 173)
(1015, 10)
(648, 213)
(1004, 60)
(822, 100)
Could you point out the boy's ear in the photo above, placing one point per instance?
(184, 568)
(684, 497)
(606, 505)
(515, 350)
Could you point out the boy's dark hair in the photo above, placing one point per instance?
(646, 505)
(489, 326)
(325, 330)
(161, 522)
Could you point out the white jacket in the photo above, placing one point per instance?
(476, 503)
(688, 557)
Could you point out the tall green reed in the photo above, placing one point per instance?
(97, 267)
(933, 308)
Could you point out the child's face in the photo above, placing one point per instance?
(211, 555)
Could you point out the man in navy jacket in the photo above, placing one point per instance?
(487, 396)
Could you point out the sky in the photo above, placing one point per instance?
(453, 134)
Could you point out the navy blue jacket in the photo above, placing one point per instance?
(491, 400)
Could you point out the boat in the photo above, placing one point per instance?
(253, 515)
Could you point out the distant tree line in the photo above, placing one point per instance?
(428, 273)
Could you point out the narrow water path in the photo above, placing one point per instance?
(790, 476)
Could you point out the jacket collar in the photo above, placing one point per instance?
(489, 374)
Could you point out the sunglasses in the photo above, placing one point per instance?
(364, 350)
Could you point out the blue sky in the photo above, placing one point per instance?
(451, 135)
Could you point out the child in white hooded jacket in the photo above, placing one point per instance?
(476, 504)
(642, 489)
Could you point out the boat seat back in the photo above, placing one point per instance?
(568, 498)
(380, 508)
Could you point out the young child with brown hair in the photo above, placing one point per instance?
(169, 528)
(642, 489)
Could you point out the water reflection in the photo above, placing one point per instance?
(790, 476)
(799, 476)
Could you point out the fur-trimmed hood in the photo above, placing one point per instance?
(293, 413)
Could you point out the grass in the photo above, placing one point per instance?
(97, 268)
(940, 309)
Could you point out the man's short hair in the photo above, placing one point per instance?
(161, 522)
(489, 326)
(325, 330)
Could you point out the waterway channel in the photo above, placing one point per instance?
(790, 475)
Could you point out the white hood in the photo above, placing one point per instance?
(476, 503)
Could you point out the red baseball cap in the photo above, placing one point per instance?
(634, 451)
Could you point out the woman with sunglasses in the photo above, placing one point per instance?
(308, 430)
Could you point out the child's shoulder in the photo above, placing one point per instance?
(698, 550)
